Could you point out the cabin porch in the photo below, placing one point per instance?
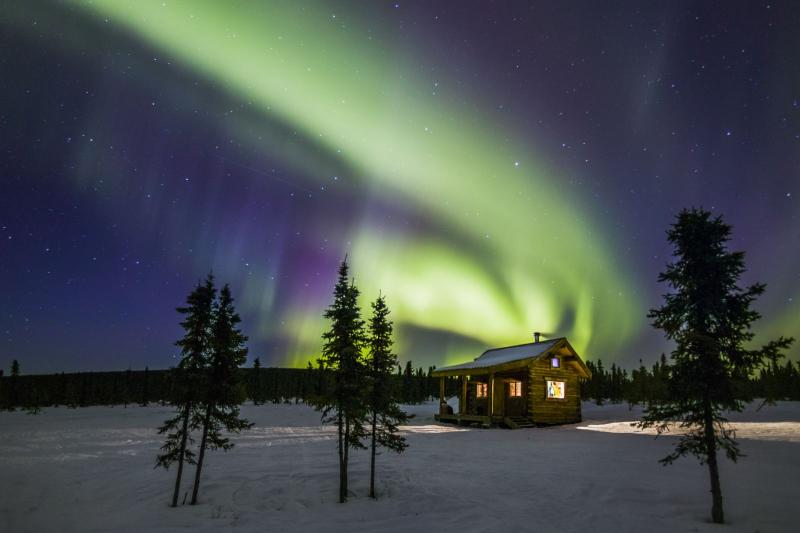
(489, 399)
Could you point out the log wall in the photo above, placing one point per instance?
(544, 410)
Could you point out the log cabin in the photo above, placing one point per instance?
(517, 386)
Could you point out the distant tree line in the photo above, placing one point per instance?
(83, 389)
(645, 385)
(298, 385)
(143, 387)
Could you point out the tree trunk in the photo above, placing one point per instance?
(206, 421)
(346, 458)
(372, 461)
(717, 514)
(184, 435)
(342, 481)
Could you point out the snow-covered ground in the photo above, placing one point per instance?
(91, 470)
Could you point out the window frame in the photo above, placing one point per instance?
(563, 396)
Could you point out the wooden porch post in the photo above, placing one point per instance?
(491, 395)
(462, 401)
(441, 391)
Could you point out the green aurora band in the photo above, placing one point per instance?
(528, 256)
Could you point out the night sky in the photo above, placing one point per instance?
(494, 168)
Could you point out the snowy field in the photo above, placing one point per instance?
(91, 470)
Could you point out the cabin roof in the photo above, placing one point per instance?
(508, 354)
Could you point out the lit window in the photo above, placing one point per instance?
(482, 391)
(515, 388)
(554, 362)
(555, 389)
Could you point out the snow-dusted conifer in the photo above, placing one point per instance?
(708, 317)
(344, 403)
(222, 390)
(385, 413)
(195, 349)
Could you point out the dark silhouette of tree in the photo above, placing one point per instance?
(126, 392)
(408, 383)
(638, 385)
(420, 392)
(255, 393)
(145, 387)
(12, 396)
(222, 389)
(780, 382)
(343, 403)
(597, 387)
(386, 414)
(196, 345)
(659, 386)
(708, 317)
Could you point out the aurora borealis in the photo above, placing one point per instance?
(492, 168)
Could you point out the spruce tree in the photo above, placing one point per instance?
(343, 403)
(637, 389)
(222, 392)
(386, 414)
(255, 393)
(195, 349)
(708, 317)
(14, 368)
(408, 383)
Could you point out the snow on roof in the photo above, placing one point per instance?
(498, 356)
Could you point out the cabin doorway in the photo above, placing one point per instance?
(513, 398)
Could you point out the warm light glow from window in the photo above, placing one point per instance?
(482, 390)
(555, 389)
(515, 388)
